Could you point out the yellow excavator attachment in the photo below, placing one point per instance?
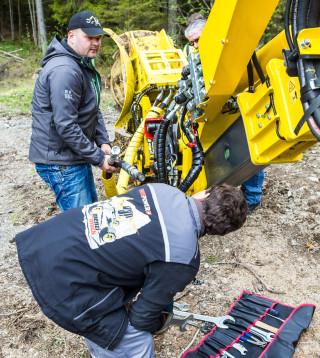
(145, 58)
(227, 107)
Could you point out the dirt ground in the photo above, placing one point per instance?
(280, 244)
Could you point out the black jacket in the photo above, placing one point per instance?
(84, 265)
(66, 120)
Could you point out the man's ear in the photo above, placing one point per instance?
(71, 35)
(202, 195)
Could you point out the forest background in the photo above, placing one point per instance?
(33, 23)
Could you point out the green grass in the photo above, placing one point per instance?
(14, 101)
(16, 83)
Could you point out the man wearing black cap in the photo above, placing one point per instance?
(68, 131)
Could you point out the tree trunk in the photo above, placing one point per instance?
(41, 26)
(33, 23)
(1, 20)
(172, 17)
(20, 19)
(11, 20)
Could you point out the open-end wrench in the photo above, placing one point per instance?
(182, 322)
(264, 335)
(181, 306)
(239, 347)
(227, 354)
(218, 321)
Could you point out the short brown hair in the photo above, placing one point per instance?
(225, 210)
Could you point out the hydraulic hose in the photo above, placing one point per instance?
(136, 104)
(287, 23)
(250, 77)
(304, 14)
(161, 149)
(258, 67)
(131, 153)
(197, 164)
(130, 169)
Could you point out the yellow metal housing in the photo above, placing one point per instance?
(271, 137)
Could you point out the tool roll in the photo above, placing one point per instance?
(262, 328)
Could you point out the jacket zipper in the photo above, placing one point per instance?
(95, 88)
(123, 319)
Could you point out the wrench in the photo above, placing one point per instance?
(181, 306)
(182, 322)
(218, 321)
(226, 354)
(239, 347)
(264, 335)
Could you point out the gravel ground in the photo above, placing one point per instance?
(279, 243)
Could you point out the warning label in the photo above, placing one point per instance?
(291, 86)
(292, 91)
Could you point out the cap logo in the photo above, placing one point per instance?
(93, 21)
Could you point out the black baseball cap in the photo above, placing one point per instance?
(87, 22)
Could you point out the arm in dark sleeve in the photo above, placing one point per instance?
(101, 135)
(65, 94)
(163, 281)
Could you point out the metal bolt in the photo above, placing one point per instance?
(260, 125)
(206, 120)
(210, 82)
(223, 41)
(266, 106)
(269, 116)
(305, 43)
(258, 115)
(204, 105)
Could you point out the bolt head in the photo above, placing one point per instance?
(260, 125)
(258, 115)
(210, 82)
(269, 116)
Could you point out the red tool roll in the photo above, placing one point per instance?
(263, 328)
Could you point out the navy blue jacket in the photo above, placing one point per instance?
(87, 263)
(66, 120)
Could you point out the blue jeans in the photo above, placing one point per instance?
(134, 344)
(252, 188)
(73, 185)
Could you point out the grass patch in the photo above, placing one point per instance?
(16, 101)
(16, 83)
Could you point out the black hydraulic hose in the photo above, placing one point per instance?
(303, 17)
(197, 164)
(258, 67)
(161, 150)
(130, 169)
(250, 77)
(136, 103)
(287, 23)
(314, 14)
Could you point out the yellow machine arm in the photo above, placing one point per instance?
(226, 112)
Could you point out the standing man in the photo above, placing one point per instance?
(66, 119)
(85, 265)
(252, 188)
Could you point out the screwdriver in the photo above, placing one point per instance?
(274, 314)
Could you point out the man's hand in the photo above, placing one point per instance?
(107, 167)
(106, 148)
